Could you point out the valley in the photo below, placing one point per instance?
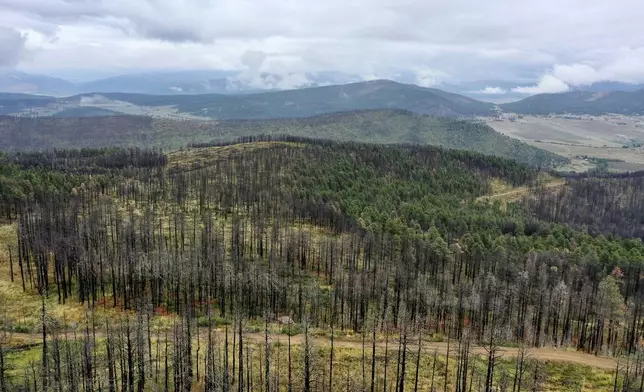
(613, 142)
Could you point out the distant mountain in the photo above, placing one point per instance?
(209, 82)
(580, 102)
(379, 94)
(150, 82)
(377, 126)
(601, 87)
(15, 103)
(174, 82)
(19, 82)
(503, 91)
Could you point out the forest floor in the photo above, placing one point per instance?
(25, 308)
(24, 342)
(542, 354)
(29, 340)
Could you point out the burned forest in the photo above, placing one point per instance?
(294, 264)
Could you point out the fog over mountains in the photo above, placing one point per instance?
(243, 82)
(254, 103)
(178, 82)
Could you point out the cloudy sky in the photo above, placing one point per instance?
(552, 44)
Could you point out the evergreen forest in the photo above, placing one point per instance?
(284, 263)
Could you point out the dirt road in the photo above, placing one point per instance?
(518, 192)
(542, 354)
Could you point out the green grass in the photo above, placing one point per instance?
(551, 376)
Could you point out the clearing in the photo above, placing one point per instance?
(611, 137)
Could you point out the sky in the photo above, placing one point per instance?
(547, 45)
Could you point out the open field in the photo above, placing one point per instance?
(611, 137)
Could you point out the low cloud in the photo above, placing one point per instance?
(427, 77)
(270, 81)
(576, 74)
(12, 47)
(547, 84)
(490, 91)
(462, 40)
(253, 59)
(626, 66)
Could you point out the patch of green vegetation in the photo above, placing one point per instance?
(377, 126)
(292, 330)
(205, 321)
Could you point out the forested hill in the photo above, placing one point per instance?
(378, 126)
(385, 245)
(598, 203)
(580, 102)
(185, 264)
(377, 94)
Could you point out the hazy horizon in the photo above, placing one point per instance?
(553, 45)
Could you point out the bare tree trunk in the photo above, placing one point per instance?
(307, 359)
(290, 379)
(45, 367)
(434, 360)
(331, 357)
(3, 382)
(420, 346)
(404, 362)
(386, 358)
(373, 358)
(240, 377)
(267, 357)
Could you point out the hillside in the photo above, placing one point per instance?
(580, 102)
(603, 203)
(379, 126)
(20, 82)
(11, 103)
(154, 269)
(86, 112)
(379, 94)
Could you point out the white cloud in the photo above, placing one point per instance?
(547, 84)
(576, 74)
(490, 91)
(460, 39)
(427, 77)
(624, 65)
(270, 81)
(12, 46)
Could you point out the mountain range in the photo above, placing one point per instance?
(379, 94)
(244, 82)
(581, 102)
(311, 101)
(177, 82)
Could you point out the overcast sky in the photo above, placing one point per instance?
(552, 43)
